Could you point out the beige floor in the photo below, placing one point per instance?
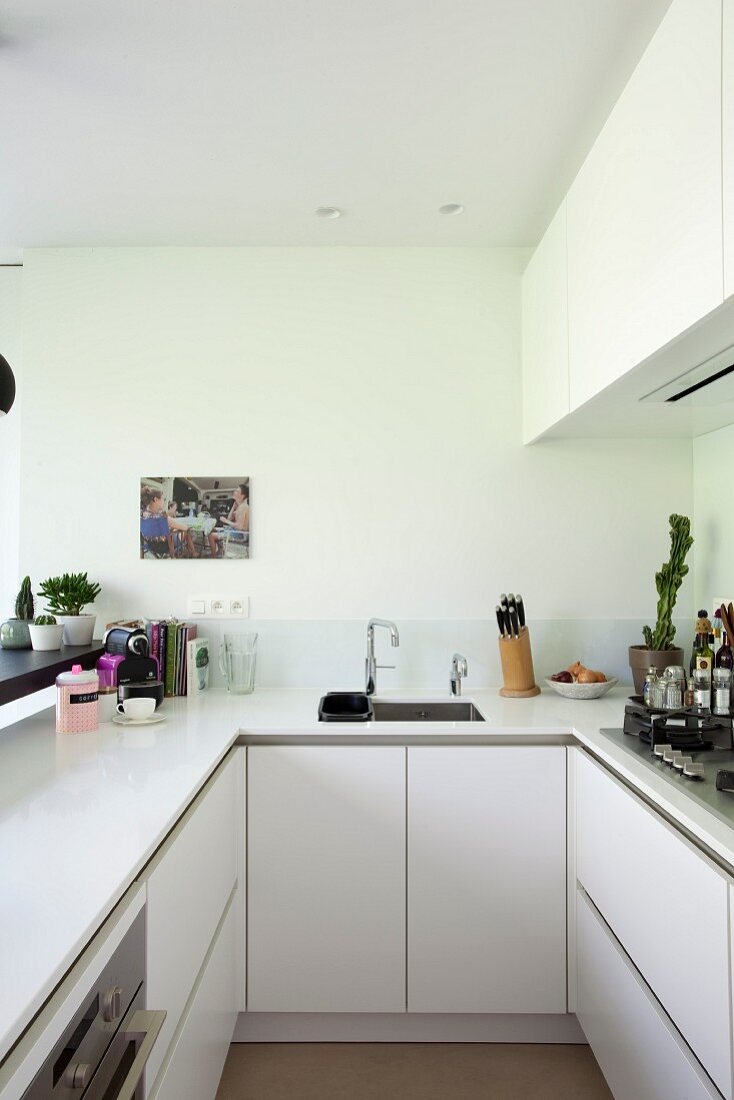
(410, 1071)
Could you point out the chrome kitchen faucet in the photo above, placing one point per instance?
(371, 665)
(459, 668)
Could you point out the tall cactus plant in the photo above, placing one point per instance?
(24, 601)
(667, 581)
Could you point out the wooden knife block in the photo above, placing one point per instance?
(518, 676)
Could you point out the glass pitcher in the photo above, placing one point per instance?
(237, 655)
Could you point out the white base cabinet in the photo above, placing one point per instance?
(189, 885)
(650, 884)
(197, 1057)
(326, 878)
(487, 879)
(640, 1052)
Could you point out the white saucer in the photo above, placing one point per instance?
(152, 720)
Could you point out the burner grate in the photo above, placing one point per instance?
(687, 728)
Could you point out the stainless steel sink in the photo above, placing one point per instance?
(429, 711)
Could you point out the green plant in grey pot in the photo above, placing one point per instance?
(659, 651)
(46, 633)
(14, 633)
(66, 597)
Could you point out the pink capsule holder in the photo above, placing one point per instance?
(77, 707)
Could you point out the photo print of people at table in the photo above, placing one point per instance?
(194, 517)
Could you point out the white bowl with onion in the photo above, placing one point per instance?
(582, 691)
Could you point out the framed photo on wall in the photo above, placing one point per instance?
(194, 517)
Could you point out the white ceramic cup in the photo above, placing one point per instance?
(137, 709)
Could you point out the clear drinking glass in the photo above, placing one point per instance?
(237, 655)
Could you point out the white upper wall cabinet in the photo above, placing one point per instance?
(644, 213)
(728, 149)
(545, 332)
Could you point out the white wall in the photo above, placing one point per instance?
(713, 517)
(10, 348)
(373, 396)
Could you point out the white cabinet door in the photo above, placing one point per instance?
(648, 882)
(198, 1056)
(728, 150)
(326, 879)
(188, 885)
(545, 332)
(487, 879)
(640, 1053)
(644, 213)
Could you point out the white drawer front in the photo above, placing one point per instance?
(188, 888)
(653, 888)
(198, 1057)
(639, 1051)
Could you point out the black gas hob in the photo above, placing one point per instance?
(688, 729)
(687, 748)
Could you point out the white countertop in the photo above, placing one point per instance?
(81, 814)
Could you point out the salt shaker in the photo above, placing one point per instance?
(673, 693)
(650, 678)
(77, 701)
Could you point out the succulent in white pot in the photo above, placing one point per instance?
(66, 598)
(46, 633)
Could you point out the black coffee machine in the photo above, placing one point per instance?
(127, 665)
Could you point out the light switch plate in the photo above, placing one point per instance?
(218, 607)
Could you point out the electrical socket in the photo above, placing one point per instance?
(218, 607)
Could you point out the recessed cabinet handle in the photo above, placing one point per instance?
(145, 1024)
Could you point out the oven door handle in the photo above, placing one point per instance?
(144, 1024)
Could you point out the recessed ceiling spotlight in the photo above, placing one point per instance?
(451, 208)
(328, 212)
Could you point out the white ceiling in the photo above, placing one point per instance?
(228, 121)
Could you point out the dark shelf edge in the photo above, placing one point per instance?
(24, 671)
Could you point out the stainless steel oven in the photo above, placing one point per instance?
(101, 1054)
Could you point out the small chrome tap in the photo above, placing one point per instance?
(459, 668)
(371, 665)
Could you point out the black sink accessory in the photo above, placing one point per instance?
(345, 706)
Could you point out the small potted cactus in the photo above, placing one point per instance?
(66, 597)
(14, 633)
(658, 651)
(46, 633)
